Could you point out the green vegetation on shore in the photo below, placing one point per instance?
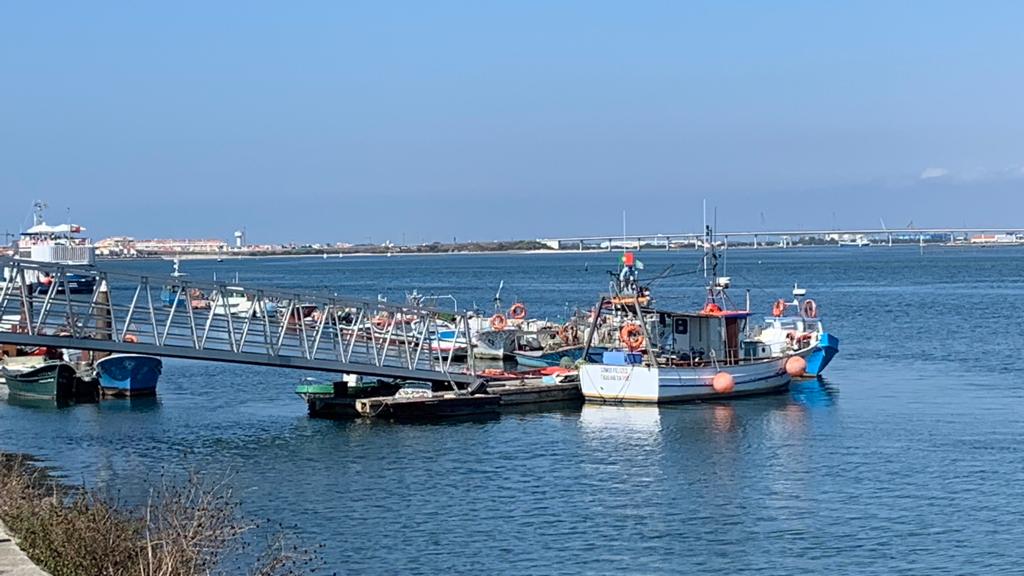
(184, 529)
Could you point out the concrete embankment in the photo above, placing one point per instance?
(14, 562)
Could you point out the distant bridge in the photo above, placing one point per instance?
(218, 322)
(682, 238)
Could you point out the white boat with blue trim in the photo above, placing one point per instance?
(796, 328)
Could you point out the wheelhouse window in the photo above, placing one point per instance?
(681, 326)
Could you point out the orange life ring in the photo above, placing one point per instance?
(779, 308)
(632, 336)
(712, 308)
(498, 322)
(517, 311)
(130, 338)
(810, 308)
(380, 321)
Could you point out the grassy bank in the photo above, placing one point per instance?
(188, 528)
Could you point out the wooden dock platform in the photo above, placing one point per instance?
(535, 392)
(432, 407)
(498, 395)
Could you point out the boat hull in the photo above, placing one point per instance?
(51, 381)
(76, 284)
(554, 358)
(638, 383)
(129, 374)
(821, 355)
(494, 345)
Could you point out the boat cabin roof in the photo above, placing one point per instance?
(44, 229)
(702, 314)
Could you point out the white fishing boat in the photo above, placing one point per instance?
(667, 356)
(662, 384)
(499, 335)
(857, 241)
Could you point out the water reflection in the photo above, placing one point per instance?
(36, 403)
(817, 393)
(142, 404)
(639, 420)
(776, 417)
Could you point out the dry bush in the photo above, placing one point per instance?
(184, 529)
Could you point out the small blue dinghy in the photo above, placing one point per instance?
(129, 374)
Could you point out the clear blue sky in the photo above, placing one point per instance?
(318, 121)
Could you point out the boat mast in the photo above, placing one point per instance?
(37, 212)
(705, 225)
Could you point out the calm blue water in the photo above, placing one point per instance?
(908, 458)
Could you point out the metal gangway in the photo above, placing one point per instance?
(87, 308)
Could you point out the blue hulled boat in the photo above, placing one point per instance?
(794, 328)
(129, 374)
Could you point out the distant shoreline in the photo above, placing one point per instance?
(342, 255)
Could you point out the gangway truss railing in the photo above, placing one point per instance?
(87, 308)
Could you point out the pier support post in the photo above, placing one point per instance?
(103, 319)
(755, 241)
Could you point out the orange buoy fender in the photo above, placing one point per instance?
(723, 383)
(498, 322)
(796, 366)
(779, 308)
(517, 311)
(130, 338)
(712, 308)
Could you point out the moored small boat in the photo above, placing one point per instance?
(54, 380)
(129, 374)
(336, 399)
(795, 328)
